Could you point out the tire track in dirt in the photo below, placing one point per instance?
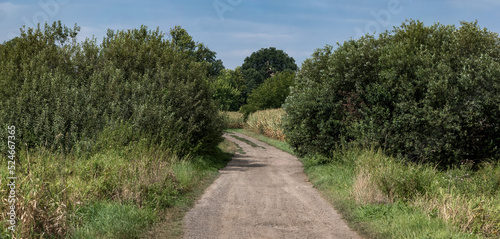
(263, 194)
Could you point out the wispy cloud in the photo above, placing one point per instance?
(259, 36)
(477, 4)
(10, 9)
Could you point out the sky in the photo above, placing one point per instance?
(236, 28)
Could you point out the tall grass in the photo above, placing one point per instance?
(267, 122)
(62, 195)
(387, 198)
(235, 120)
(467, 199)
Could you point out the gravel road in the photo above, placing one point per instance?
(263, 193)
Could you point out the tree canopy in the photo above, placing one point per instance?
(271, 94)
(428, 93)
(263, 63)
(184, 43)
(63, 94)
(228, 88)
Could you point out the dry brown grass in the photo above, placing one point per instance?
(268, 123)
(53, 185)
(461, 200)
(365, 191)
(469, 214)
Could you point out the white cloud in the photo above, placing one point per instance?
(8, 9)
(257, 36)
(478, 4)
(239, 53)
(89, 32)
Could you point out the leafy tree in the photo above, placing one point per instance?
(35, 85)
(183, 42)
(227, 89)
(426, 93)
(263, 63)
(271, 94)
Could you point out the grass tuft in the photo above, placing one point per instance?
(112, 220)
(247, 141)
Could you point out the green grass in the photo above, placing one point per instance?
(338, 180)
(124, 190)
(240, 149)
(205, 172)
(112, 220)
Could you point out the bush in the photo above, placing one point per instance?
(228, 89)
(271, 94)
(58, 94)
(430, 94)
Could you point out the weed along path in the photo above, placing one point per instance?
(263, 193)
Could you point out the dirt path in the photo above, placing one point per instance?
(263, 194)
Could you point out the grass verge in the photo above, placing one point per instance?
(121, 191)
(381, 197)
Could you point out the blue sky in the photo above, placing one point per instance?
(236, 28)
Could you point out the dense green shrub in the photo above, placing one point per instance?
(58, 92)
(429, 93)
(228, 89)
(262, 64)
(271, 94)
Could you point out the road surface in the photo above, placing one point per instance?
(263, 193)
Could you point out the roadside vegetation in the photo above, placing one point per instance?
(110, 138)
(267, 122)
(400, 131)
(382, 197)
(235, 120)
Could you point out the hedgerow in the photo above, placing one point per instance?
(59, 93)
(427, 93)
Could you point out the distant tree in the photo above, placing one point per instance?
(264, 63)
(271, 94)
(227, 89)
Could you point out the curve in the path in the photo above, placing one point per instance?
(263, 193)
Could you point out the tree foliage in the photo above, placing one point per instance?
(426, 93)
(228, 88)
(62, 94)
(198, 51)
(261, 64)
(271, 94)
